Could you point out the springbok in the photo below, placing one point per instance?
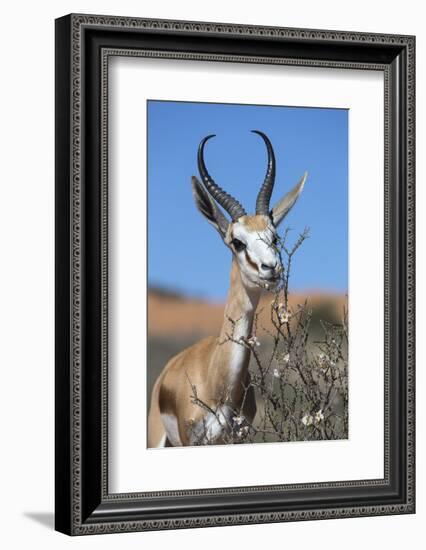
(218, 366)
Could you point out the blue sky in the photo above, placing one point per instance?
(184, 252)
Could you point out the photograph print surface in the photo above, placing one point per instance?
(247, 274)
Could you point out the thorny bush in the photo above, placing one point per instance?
(300, 382)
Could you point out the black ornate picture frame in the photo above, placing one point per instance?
(84, 43)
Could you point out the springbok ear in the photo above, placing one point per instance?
(208, 209)
(284, 205)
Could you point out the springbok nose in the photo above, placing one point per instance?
(268, 267)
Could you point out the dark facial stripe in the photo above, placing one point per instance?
(250, 261)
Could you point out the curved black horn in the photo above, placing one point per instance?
(231, 205)
(264, 196)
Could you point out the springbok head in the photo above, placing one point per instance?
(251, 238)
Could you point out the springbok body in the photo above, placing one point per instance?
(204, 392)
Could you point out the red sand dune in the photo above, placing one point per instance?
(178, 315)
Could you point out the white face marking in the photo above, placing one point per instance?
(171, 426)
(259, 260)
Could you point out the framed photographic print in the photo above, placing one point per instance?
(234, 274)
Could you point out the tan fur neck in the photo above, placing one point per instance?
(240, 305)
(229, 366)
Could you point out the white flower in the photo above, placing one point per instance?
(324, 361)
(307, 420)
(283, 314)
(244, 430)
(253, 341)
(319, 416)
(238, 419)
(285, 359)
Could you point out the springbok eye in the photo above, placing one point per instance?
(238, 245)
